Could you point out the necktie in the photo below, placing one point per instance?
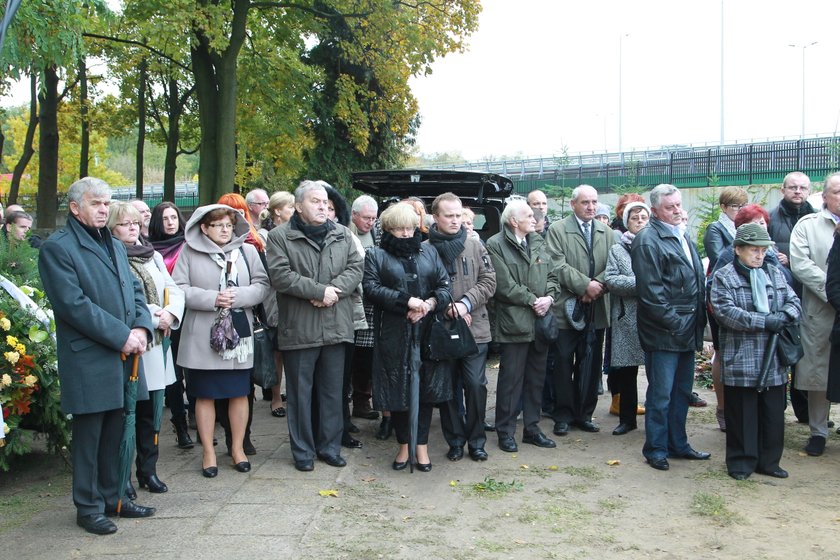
(587, 235)
(524, 245)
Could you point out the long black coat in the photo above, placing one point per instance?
(832, 292)
(388, 283)
(96, 302)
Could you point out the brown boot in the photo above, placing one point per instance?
(616, 402)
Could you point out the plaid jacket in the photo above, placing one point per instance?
(742, 336)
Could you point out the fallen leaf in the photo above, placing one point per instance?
(524, 467)
(328, 493)
(453, 483)
(368, 479)
(552, 468)
(518, 541)
(613, 462)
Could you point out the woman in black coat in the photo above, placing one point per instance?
(405, 281)
(832, 292)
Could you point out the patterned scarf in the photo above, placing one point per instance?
(228, 277)
(138, 256)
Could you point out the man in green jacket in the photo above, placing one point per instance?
(578, 247)
(315, 267)
(518, 255)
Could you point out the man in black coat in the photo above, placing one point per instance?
(100, 312)
(671, 319)
(794, 204)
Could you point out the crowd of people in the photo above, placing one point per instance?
(350, 292)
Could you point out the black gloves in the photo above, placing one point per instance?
(775, 322)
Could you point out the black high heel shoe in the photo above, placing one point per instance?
(424, 467)
(210, 472)
(153, 483)
(399, 465)
(242, 466)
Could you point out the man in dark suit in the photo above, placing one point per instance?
(100, 312)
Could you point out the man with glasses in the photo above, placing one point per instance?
(257, 200)
(794, 205)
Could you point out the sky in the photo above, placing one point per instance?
(541, 76)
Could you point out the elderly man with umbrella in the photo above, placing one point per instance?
(100, 312)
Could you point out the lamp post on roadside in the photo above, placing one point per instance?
(803, 47)
(620, 76)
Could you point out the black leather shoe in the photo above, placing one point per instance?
(210, 472)
(739, 475)
(478, 454)
(399, 465)
(561, 428)
(365, 413)
(659, 464)
(622, 429)
(778, 473)
(385, 428)
(153, 483)
(130, 492)
(333, 460)
(539, 440)
(96, 523)
(423, 467)
(489, 427)
(242, 466)
(694, 455)
(131, 510)
(456, 453)
(350, 442)
(507, 443)
(305, 466)
(816, 446)
(588, 426)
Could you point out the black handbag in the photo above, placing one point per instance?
(546, 328)
(264, 373)
(447, 339)
(789, 346)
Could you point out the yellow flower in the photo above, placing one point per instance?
(6, 380)
(6, 428)
(30, 380)
(20, 349)
(13, 357)
(11, 341)
(5, 324)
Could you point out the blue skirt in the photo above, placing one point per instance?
(218, 383)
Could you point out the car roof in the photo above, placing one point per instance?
(426, 183)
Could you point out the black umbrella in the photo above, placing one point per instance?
(414, 364)
(129, 436)
(767, 362)
(584, 376)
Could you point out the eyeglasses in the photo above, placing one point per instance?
(220, 226)
(797, 188)
(259, 203)
(735, 206)
(128, 224)
(367, 218)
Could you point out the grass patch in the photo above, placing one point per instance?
(711, 474)
(492, 487)
(493, 546)
(612, 504)
(714, 507)
(35, 484)
(590, 473)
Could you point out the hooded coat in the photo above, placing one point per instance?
(198, 275)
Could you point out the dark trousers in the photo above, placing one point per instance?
(402, 424)
(548, 385)
(322, 366)
(469, 375)
(95, 451)
(362, 370)
(521, 375)
(576, 391)
(147, 451)
(623, 380)
(346, 386)
(755, 428)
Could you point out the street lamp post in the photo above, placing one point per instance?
(620, 76)
(803, 47)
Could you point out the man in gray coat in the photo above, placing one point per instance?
(314, 266)
(473, 282)
(100, 312)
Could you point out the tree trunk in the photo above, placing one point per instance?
(28, 151)
(216, 88)
(175, 110)
(84, 154)
(141, 129)
(47, 198)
